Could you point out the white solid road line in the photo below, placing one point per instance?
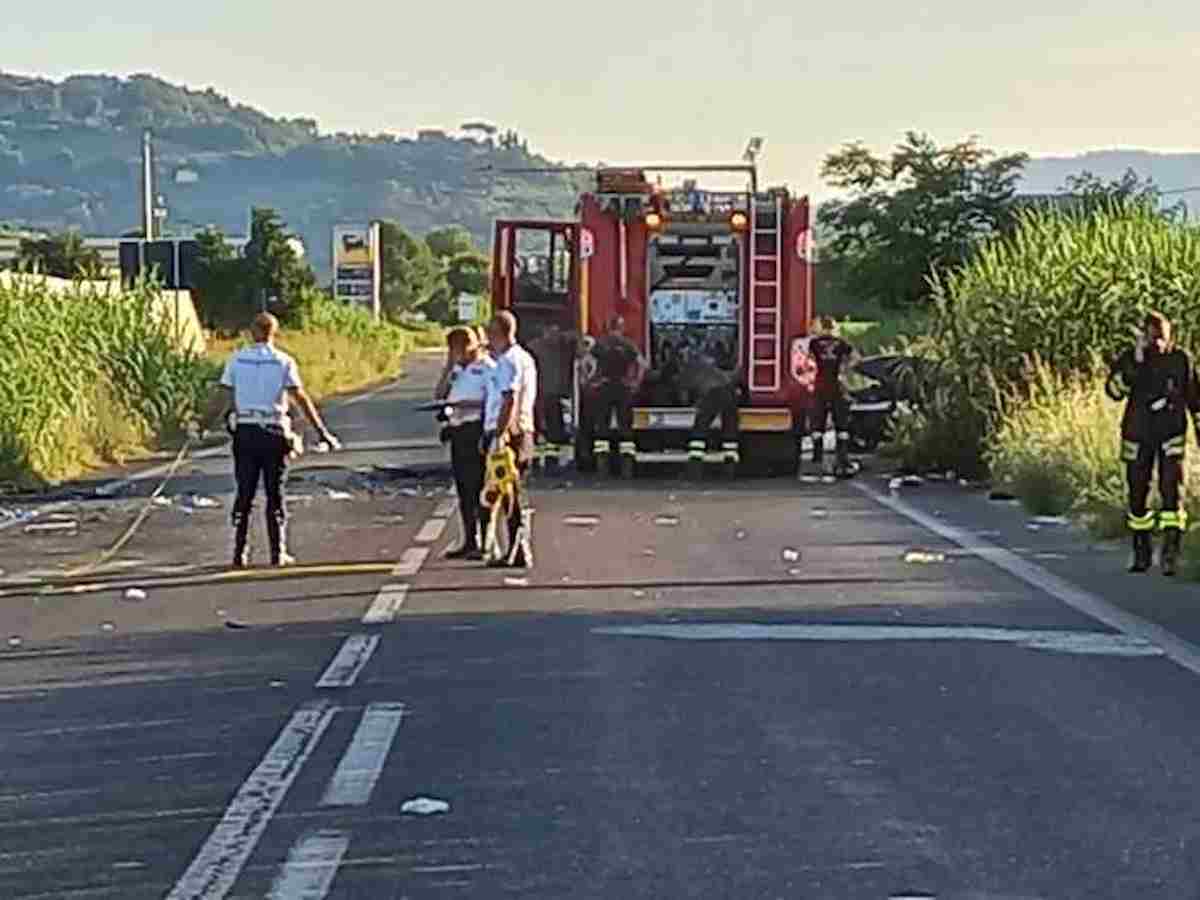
(430, 531)
(359, 398)
(411, 561)
(1182, 652)
(362, 764)
(216, 867)
(352, 657)
(1085, 643)
(311, 866)
(387, 604)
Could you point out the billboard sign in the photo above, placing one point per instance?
(356, 265)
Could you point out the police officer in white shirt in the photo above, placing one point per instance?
(508, 419)
(259, 384)
(463, 386)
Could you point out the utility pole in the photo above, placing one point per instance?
(147, 188)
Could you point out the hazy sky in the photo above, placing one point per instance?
(672, 81)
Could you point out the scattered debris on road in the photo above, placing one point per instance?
(922, 557)
(517, 582)
(581, 521)
(666, 521)
(198, 501)
(61, 527)
(162, 501)
(1050, 520)
(740, 535)
(820, 512)
(425, 806)
(338, 495)
(135, 594)
(107, 626)
(791, 554)
(235, 625)
(15, 641)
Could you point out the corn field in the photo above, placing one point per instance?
(87, 356)
(1065, 291)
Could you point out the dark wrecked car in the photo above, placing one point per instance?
(897, 380)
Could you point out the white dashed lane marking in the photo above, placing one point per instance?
(311, 866)
(222, 857)
(387, 604)
(410, 562)
(352, 657)
(430, 531)
(361, 765)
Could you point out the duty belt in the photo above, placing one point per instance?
(259, 417)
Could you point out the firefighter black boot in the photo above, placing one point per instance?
(695, 462)
(1172, 539)
(277, 536)
(241, 531)
(602, 451)
(628, 459)
(1143, 552)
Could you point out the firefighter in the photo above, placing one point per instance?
(1161, 390)
(554, 352)
(830, 398)
(619, 370)
(260, 383)
(511, 396)
(714, 392)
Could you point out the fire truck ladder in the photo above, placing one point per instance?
(766, 293)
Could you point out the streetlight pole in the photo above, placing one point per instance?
(147, 188)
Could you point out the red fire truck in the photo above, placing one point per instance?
(727, 273)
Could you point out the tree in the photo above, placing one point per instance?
(272, 267)
(465, 273)
(411, 275)
(61, 255)
(222, 299)
(1090, 193)
(446, 242)
(923, 209)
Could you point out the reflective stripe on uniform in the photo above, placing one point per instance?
(843, 435)
(1141, 523)
(1129, 451)
(601, 446)
(730, 451)
(1175, 446)
(628, 448)
(1173, 519)
(696, 449)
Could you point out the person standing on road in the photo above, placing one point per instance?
(1159, 384)
(463, 386)
(619, 370)
(260, 383)
(830, 397)
(508, 421)
(554, 353)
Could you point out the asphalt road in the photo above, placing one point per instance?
(702, 690)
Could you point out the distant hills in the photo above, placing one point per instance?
(69, 157)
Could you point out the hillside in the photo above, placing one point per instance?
(1170, 171)
(70, 150)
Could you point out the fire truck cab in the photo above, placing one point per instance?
(726, 274)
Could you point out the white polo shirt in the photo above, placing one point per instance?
(515, 372)
(260, 377)
(469, 382)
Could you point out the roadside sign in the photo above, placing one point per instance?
(468, 307)
(587, 243)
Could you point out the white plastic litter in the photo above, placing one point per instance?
(162, 501)
(828, 479)
(1051, 520)
(52, 527)
(666, 521)
(639, 594)
(740, 535)
(795, 572)
(791, 554)
(810, 479)
(895, 484)
(581, 521)
(425, 806)
(923, 557)
(107, 626)
(517, 582)
(135, 594)
(14, 641)
(200, 502)
(338, 495)
(820, 513)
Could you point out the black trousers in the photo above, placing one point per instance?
(1140, 459)
(816, 418)
(721, 402)
(259, 454)
(466, 458)
(550, 424)
(613, 395)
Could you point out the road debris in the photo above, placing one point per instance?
(820, 513)
(1051, 520)
(235, 625)
(15, 641)
(922, 557)
(425, 806)
(135, 594)
(338, 495)
(581, 521)
(60, 527)
(107, 626)
(790, 554)
(740, 535)
(517, 582)
(162, 501)
(666, 521)
(198, 501)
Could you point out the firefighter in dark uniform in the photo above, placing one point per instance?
(619, 369)
(260, 383)
(830, 398)
(554, 351)
(1159, 384)
(714, 392)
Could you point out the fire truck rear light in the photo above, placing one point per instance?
(739, 221)
(654, 221)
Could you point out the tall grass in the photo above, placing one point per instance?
(85, 375)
